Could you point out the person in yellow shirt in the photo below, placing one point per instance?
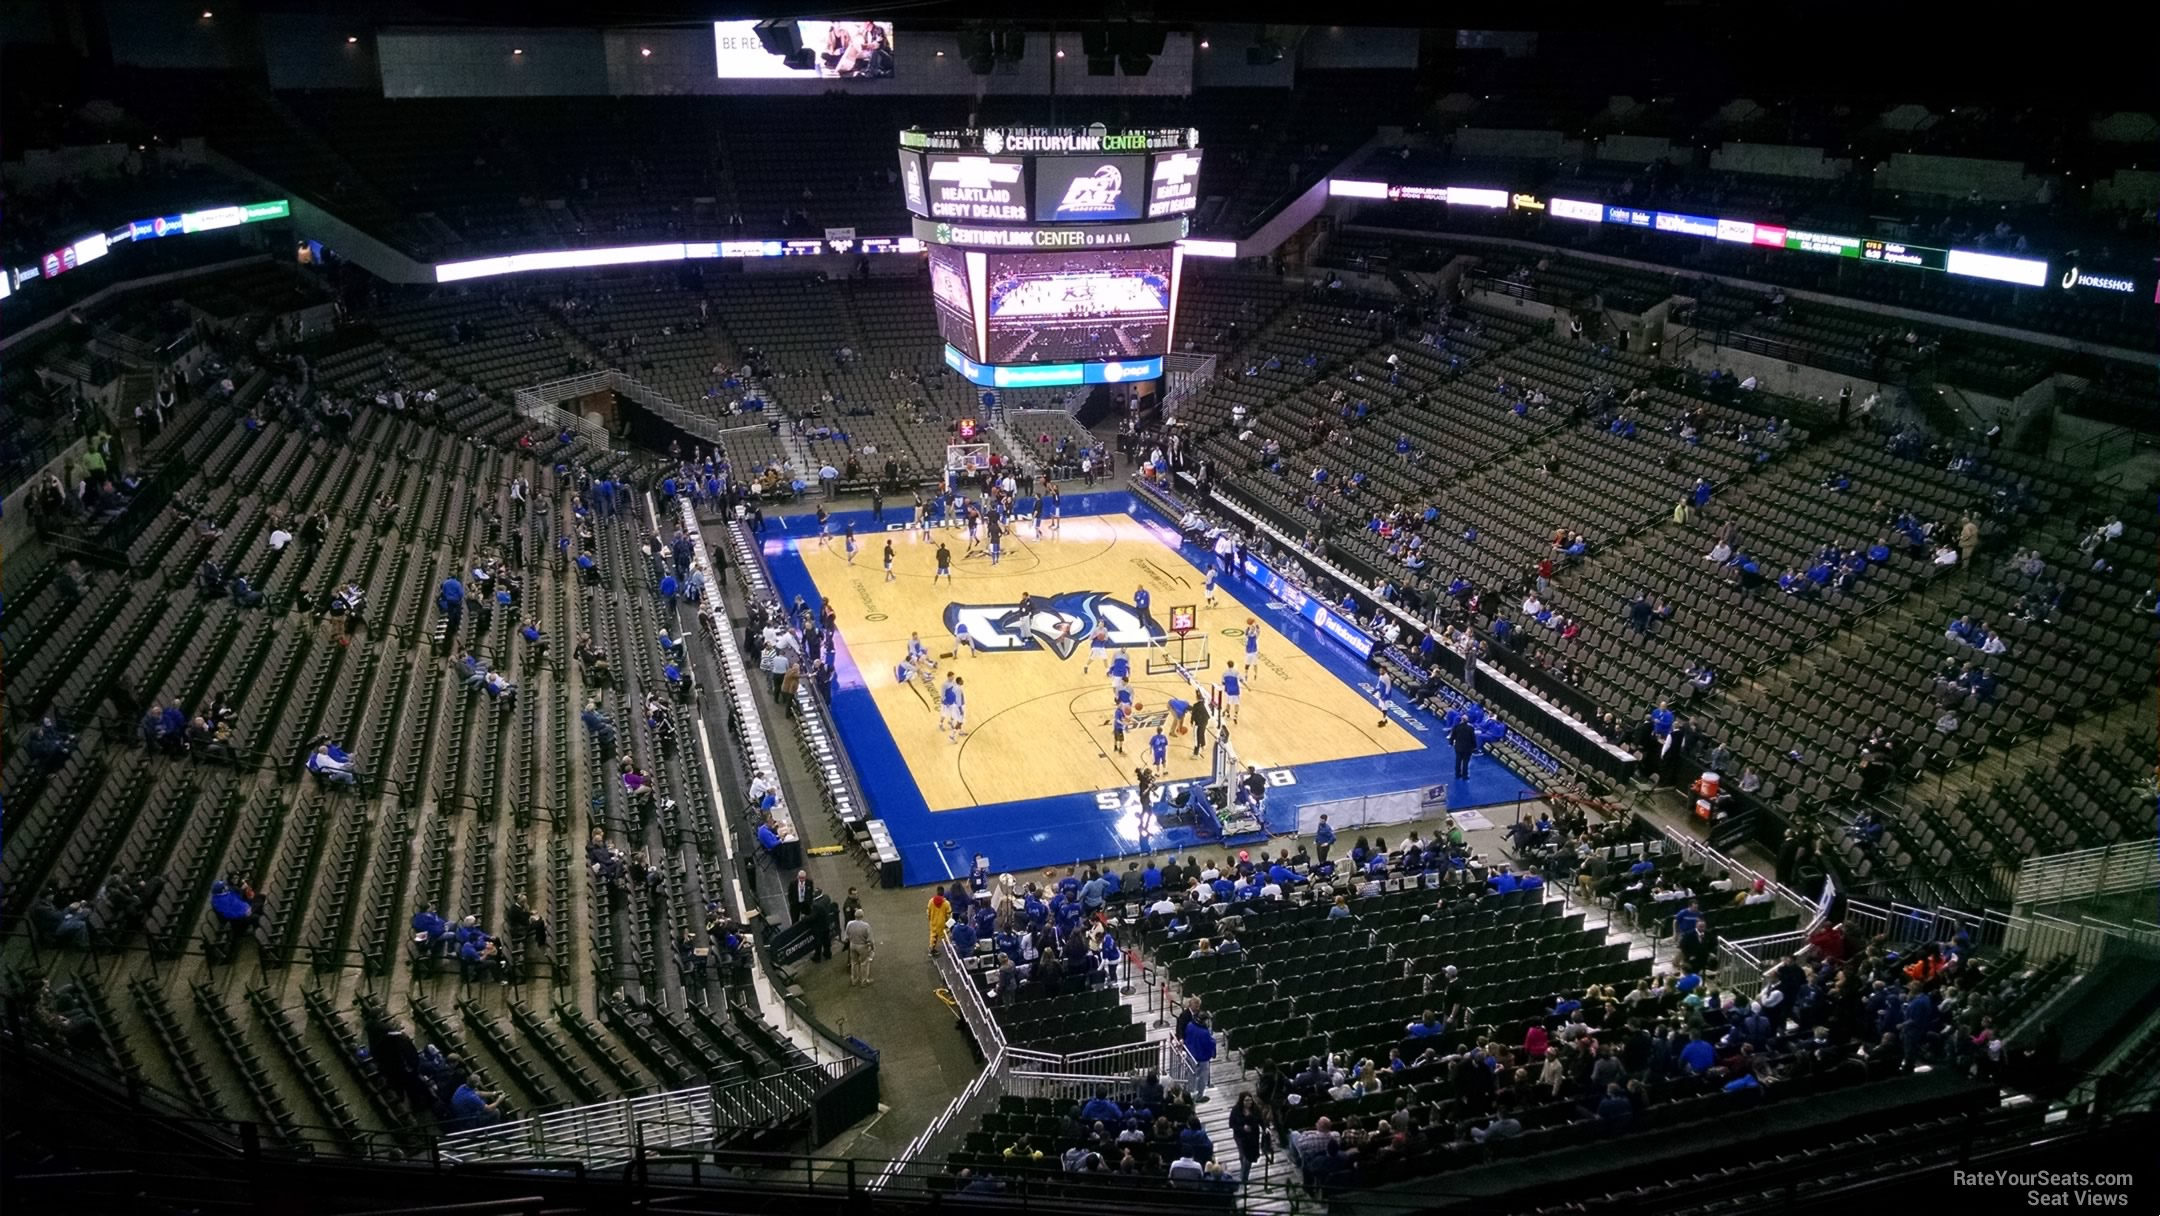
(940, 919)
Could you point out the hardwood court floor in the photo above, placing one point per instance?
(1036, 726)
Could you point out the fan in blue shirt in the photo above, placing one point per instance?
(1698, 1055)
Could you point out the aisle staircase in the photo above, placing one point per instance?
(1022, 454)
(1267, 1194)
(1274, 1187)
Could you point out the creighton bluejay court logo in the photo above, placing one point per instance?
(1034, 624)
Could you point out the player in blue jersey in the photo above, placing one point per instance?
(1232, 689)
(1118, 718)
(824, 525)
(1159, 747)
(1098, 647)
(1178, 709)
(1121, 669)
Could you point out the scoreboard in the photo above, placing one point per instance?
(1054, 252)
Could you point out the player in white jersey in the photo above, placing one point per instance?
(919, 660)
(1098, 648)
(1381, 689)
(1209, 583)
(955, 699)
(1232, 691)
(1252, 647)
(850, 541)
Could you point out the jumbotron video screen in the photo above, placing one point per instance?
(954, 301)
(1059, 307)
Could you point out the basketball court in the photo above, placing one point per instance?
(1035, 779)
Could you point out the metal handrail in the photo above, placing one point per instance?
(607, 1133)
(2130, 865)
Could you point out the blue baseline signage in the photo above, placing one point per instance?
(1326, 619)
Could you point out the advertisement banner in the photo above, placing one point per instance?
(1295, 598)
(912, 190)
(981, 188)
(1174, 184)
(1052, 375)
(1094, 236)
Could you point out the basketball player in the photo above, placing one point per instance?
(954, 713)
(1159, 748)
(848, 541)
(1117, 729)
(824, 519)
(1210, 585)
(888, 559)
(974, 527)
(1232, 688)
(1039, 513)
(996, 528)
(1178, 709)
(1252, 647)
(1057, 509)
(1381, 689)
(1121, 670)
(1098, 648)
(922, 513)
(963, 642)
(918, 657)
(1064, 634)
(944, 564)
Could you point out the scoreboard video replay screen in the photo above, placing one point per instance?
(1055, 307)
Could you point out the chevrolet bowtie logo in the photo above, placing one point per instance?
(1176, 169)
(977, 172)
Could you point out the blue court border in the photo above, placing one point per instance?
(1032, 833)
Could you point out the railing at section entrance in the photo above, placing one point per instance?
(1184, 375)
(539, 404)
(540, 401)
(2119, 869)
(1019, 1071)
(2086, 939)
(1743, 874)
(609, 1133)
